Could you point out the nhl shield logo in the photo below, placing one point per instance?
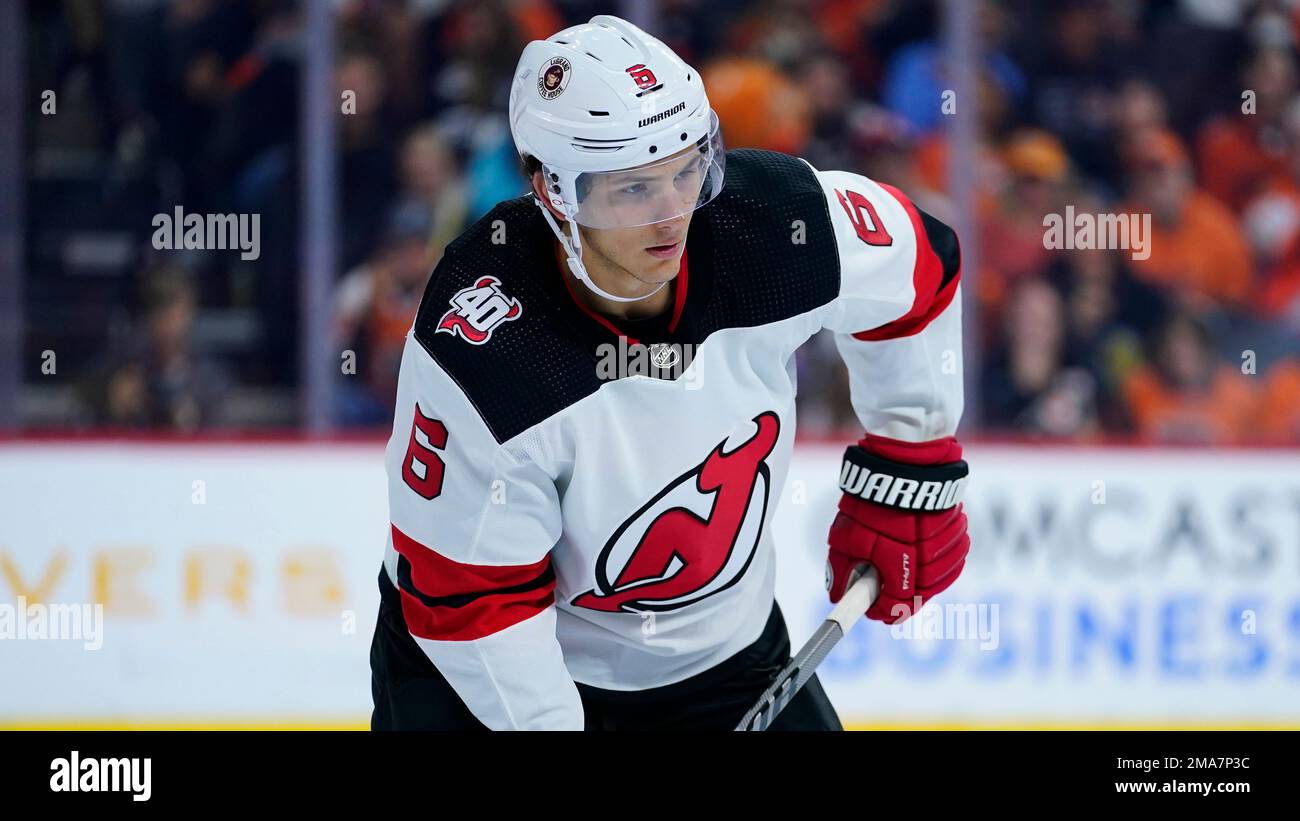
(663, 355)
(477, 310)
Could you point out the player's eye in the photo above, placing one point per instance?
(634, 189)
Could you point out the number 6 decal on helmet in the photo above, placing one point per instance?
(421, 456)
(642, 76)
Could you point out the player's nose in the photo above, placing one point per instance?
(668, 209)
(669, 230)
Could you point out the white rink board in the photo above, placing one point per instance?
(258, 604)
(241, 604)
(1124, 609)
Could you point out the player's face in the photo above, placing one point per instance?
(659, 202)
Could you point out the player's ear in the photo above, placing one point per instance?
(539, 191)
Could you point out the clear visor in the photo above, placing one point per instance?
(654, 192)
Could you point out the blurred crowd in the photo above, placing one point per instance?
(1184, 110)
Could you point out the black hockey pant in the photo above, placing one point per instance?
(410, 694)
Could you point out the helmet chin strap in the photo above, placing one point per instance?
(573, 249)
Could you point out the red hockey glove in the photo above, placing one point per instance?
(901, 511)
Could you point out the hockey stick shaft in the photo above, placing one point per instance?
(864, 586)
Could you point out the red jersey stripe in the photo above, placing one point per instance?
(446, 600)
(927, 275)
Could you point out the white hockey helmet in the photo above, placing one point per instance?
(621, 126)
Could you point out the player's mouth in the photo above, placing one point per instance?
(664, 251)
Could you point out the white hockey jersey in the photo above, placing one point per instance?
(550, 484)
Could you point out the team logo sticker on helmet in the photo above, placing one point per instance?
(476, 311)
(554, 77)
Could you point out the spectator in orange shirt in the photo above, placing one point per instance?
(1196, 246)
(758, 106)
(1186, 395)
(1011, 235)
(1278, 418)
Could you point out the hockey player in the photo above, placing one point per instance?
(572, 549)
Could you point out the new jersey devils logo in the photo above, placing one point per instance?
(477, 310)
(666, 555)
